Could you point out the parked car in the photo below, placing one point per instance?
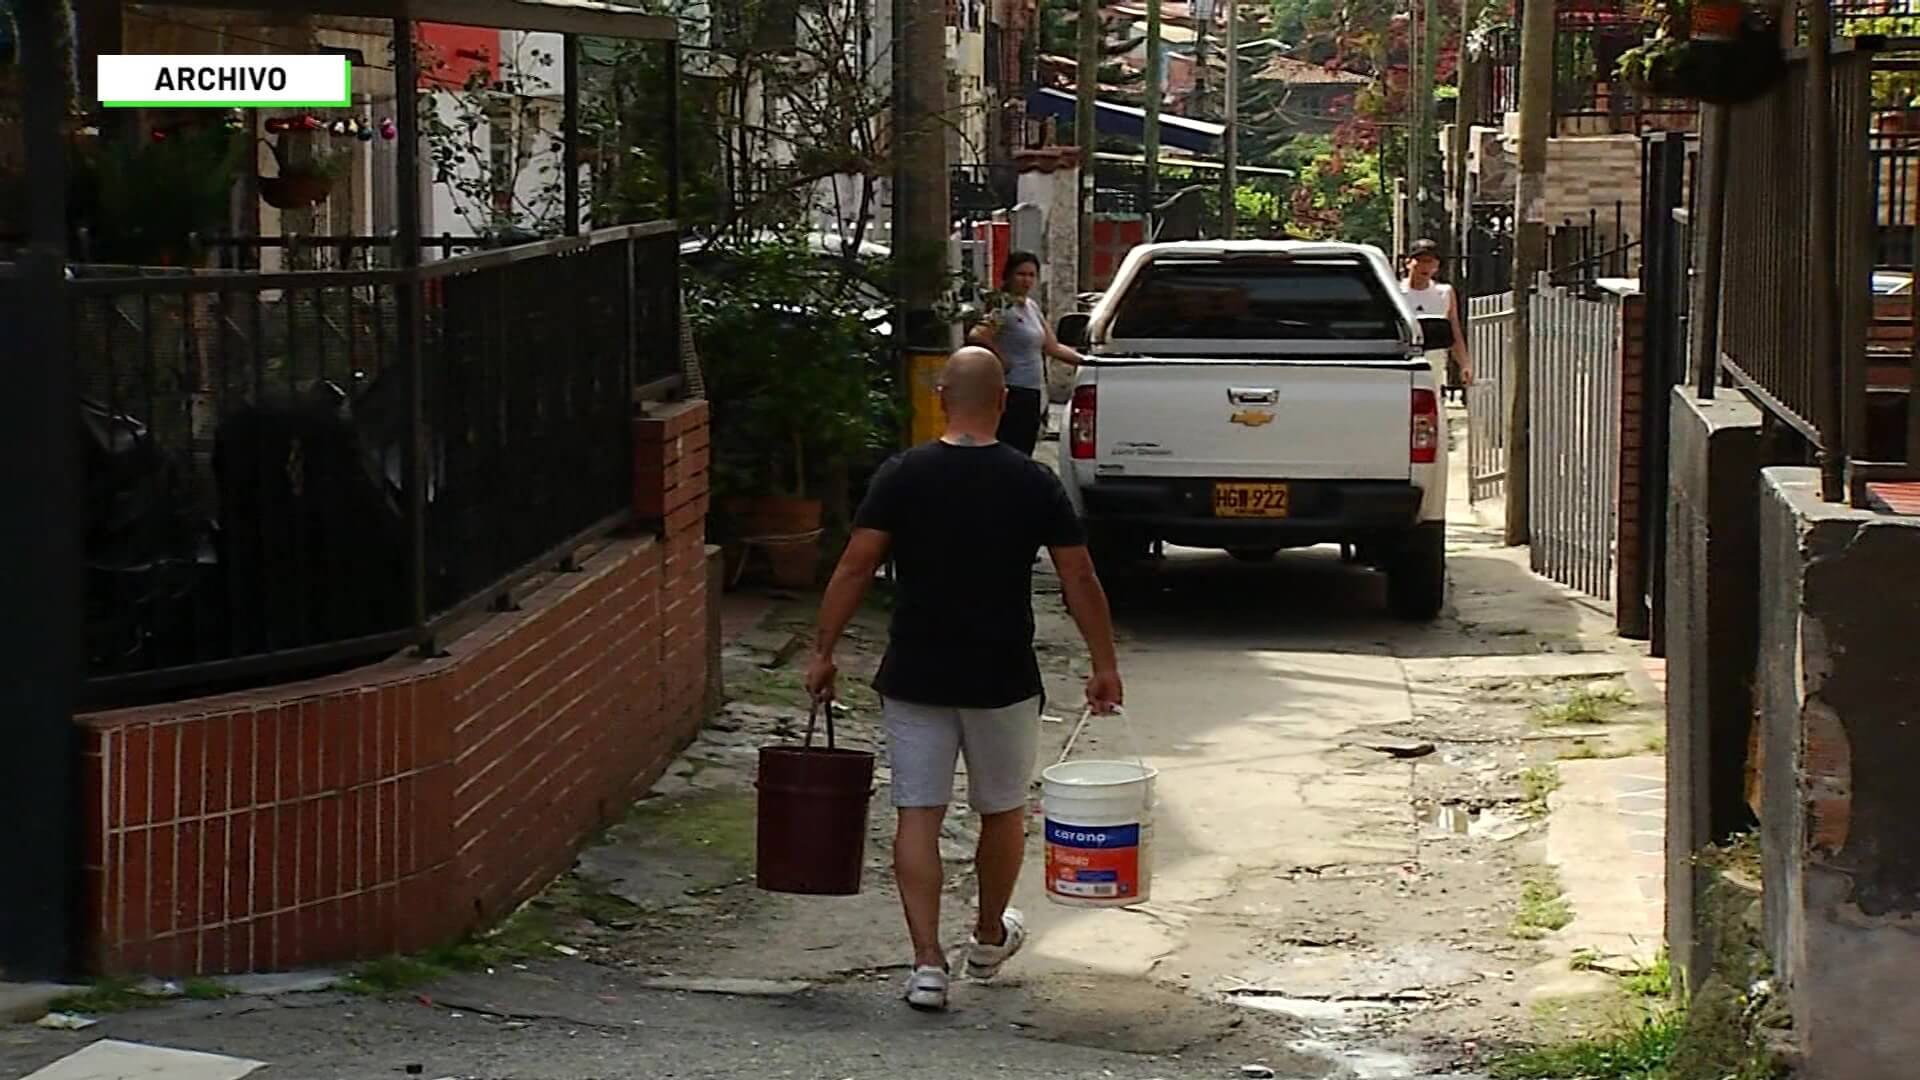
(1257, 395)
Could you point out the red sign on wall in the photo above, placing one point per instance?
(450, 55)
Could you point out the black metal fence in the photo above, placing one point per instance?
(1588, 98)
(1894, 166)
(1667, 198)
(1580, 253)
(1775, 277)
(978, 190)
(284, 473)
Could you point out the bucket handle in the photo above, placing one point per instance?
(813, 718)
(1126, 726)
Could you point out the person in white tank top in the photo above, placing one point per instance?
(1437, 307)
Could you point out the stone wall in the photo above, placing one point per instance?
(1839, 697)
(401, 805)
(1584, 173)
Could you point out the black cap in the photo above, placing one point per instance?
(1422, 248)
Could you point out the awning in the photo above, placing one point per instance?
(1129, 122)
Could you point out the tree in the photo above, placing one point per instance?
(495, 143)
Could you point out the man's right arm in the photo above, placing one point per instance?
(1087, 603)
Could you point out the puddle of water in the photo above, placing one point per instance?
(1440, 822)
(1362, 1064)
(1444, 821)
(1309, 1008)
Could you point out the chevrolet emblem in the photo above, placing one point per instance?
(1252, 417)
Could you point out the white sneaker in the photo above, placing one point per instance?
(927, 989)
(985, 961)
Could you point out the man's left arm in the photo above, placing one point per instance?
(866, 550)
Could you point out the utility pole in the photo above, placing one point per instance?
(1416, 112)
(1156, 89)
(1198, 101)
(1464, 109)
(1530, 253)
(1086, 127)
(1420, 162)
(41, 648)
(922, 210)
(1230, 175)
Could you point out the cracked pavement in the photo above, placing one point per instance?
(1343, 819)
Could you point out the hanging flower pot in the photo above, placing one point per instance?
(304, 181)
(1723, 53)
(1735, 54)
(295, 190)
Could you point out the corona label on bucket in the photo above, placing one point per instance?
(1093, 863)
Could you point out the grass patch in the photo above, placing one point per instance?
(1657, 743)
(1537, 784)
(1582, 750)
(1585, 706)
(1654, 981)
(109, 995)
(724, 823)
(1639, 1050)
(204, 989)
(529, 932)
(1543, 906)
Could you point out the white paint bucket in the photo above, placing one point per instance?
(1098, 818)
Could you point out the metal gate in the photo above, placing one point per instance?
(1575, 438)
(1489, 324)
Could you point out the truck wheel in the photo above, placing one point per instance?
(1417, 574)
(1254, 555)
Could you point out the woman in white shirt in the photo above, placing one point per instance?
(1438, 309)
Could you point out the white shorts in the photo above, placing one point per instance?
(925, 741)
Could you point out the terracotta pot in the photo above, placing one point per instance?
(774, 515)
(796, 564)
(295, 191)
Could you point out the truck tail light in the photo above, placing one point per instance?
(1080, 420)
(1424, 439)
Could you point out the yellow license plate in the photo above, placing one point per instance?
(1250, 500)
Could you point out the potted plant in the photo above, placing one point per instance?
(787, 360)
(1721, 52)
(143, 202)
(304, 179)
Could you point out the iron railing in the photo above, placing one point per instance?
(1574, 406)
(1489, 335)
(1588, 98)
(285, 475)
(1775, 278)
(1894, 165)
(978, 190)
(1574, 443)
(1582, 252)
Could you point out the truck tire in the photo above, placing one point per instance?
(1417, 575)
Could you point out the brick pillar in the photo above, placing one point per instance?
(1630, 570)
(671, 447)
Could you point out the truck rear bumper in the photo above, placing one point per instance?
(1181, 512)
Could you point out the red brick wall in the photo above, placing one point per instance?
(400, 805)
(1630, 573)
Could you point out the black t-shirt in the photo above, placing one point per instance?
(966, 522)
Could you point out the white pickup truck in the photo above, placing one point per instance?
(1258, 395)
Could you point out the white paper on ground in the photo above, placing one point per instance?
(111, 1059)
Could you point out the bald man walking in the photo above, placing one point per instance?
(963, 518)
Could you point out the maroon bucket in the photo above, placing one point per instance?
(811, 837)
